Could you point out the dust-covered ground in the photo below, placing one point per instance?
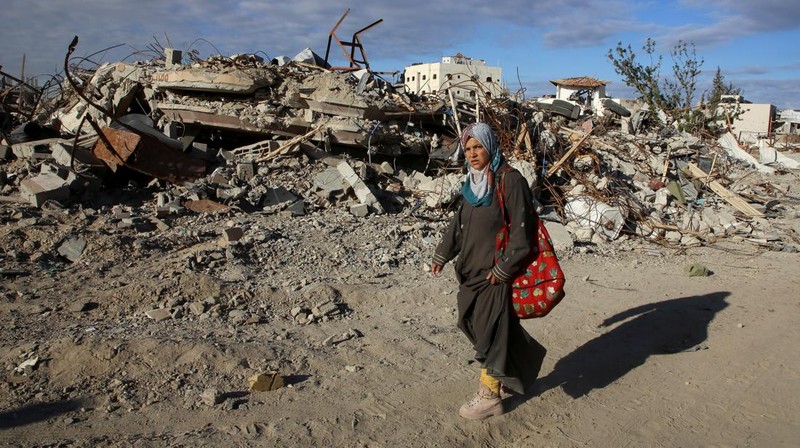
(639, 353)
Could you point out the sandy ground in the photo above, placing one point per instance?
(639, 353)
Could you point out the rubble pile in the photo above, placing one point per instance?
(232, 136)
(173, 235)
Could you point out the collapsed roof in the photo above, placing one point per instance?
(216, 131)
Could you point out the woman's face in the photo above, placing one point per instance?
(476, 154)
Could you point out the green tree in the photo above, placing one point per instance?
(668, 94)
(719, 88)
(643, 78)
(685, 69)
(720, 116)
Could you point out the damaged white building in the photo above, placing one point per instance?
(748, 121)
(464, 76)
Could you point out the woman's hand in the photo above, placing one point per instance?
(492, 279)
(436, 269)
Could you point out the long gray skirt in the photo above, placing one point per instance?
(502, 346)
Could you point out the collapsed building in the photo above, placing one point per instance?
(298, 136)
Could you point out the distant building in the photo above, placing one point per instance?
(748, 121)
(465, 77)
(585, 91)
(789, 121)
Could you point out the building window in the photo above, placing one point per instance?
(424, 77)
(488, 79)
(434, 76)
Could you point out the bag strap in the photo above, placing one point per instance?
(501, 194)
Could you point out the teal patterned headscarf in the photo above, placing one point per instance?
(478, 187)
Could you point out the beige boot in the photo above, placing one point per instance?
(483, 405)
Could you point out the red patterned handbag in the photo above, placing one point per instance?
(540, 286)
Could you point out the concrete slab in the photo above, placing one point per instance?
(44, 187)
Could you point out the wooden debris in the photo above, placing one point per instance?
(567, 155)
(729, 196)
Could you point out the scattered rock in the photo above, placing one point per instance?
(265, 382)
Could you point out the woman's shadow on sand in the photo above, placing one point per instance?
(671, 326)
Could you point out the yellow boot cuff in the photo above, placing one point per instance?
(491, 383)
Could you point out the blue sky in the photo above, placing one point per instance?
(753, 43)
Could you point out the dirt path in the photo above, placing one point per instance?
(640, 354)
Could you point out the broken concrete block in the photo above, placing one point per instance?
(52, 168)
(230, 193)
(62, 154)
(597, 215)
(280, 61)
(159, 314)
(387, 168)
(528, 171)
(197, 308)
(362, 191)
(690, 241)
(38, 150)
(330, 180)
(160, 225)
(562, 240)
(360, 210)
(123, 71)
(84, 181)
(662, 197)
(45, 187)
(577, 190)
(198, 206)
(72, 249)
(162, 212)
(162, 199)
(412, 180)
(245, 171)
(325, 308)
(443, 190)
(726, 220)
(212, 397)
(307, 56)
(583, 162)
(219, 178)
(173, 58)
(70, 119)
(201, 80)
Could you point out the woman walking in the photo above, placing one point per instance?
(510, 358)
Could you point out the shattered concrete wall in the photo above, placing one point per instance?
(239, 133)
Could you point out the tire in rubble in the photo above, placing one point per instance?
(615, 107)
(561, 107)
